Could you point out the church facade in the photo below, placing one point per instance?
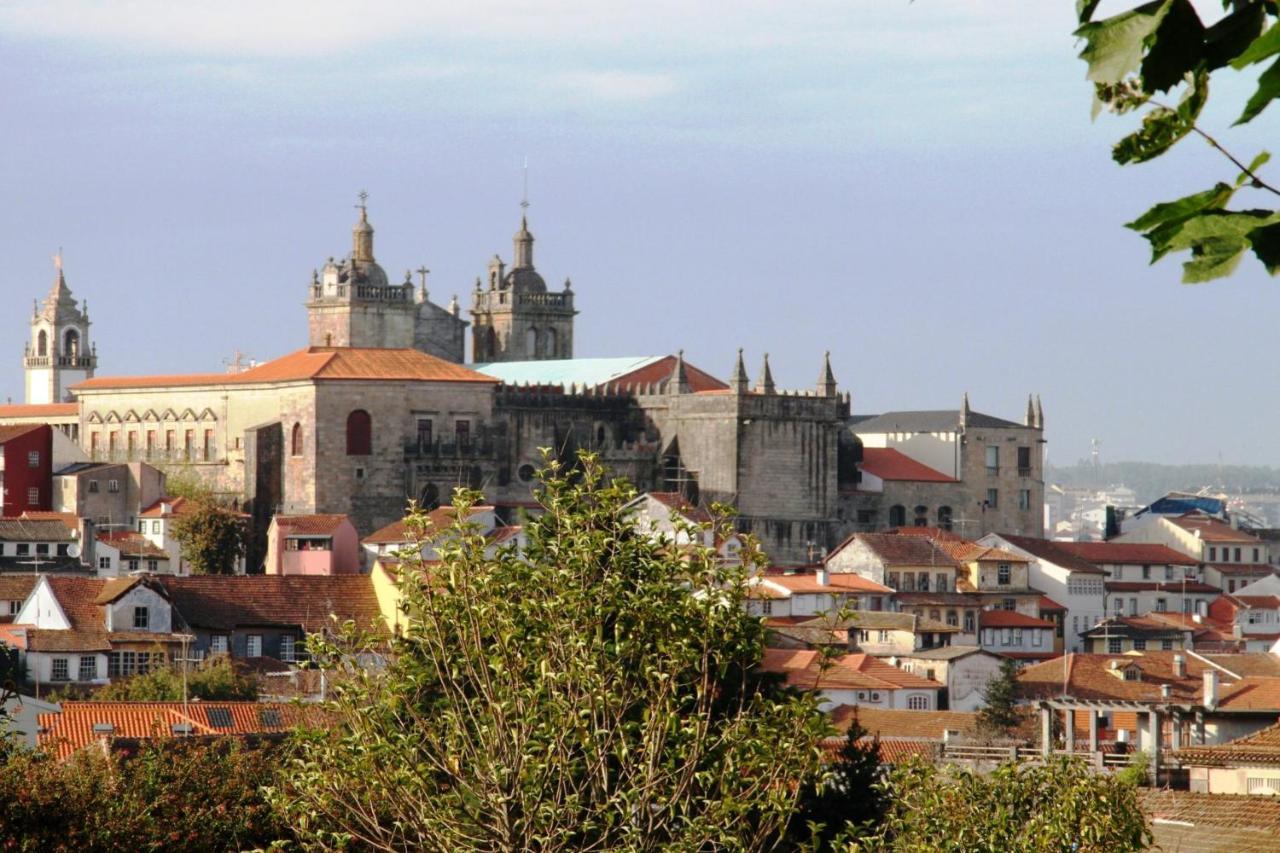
(379, 409)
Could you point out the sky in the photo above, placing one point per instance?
(915, 186)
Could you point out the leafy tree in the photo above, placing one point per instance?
(216, 679)
(1142, 58)
(212, 537)
(1061, 805)
(173, 795)
(599, 691)
(999, 715)
(849, 796)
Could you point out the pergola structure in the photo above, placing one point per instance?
(1157, 712)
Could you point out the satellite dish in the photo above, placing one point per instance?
(73, 550)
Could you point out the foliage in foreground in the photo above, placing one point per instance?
(212, 537)
(1059, 806)
(1164, 49)
(598, 693)
(215, 679)
(1000, 715)
(173, 795)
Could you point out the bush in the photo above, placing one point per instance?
(215, 680)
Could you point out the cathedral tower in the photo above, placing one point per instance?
(515, 317)
(352, 304)
(59, 353)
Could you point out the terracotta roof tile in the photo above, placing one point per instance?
(1096, 676)
(1053, 552)
(1212, 530)
(860, 671)
(1011, 619)
(440, 518)
(73, 728)
(1162, 586)
(890, 464)
(130, 543)
(972, 552)
(309, 525)
(69, 519)
(12, 431)
(177, 506)
(34, 530)
(1127, 553)
(16, 587)
(936, 533)
(1261, 747)
(224, 603)
(40, 410)
(1221, 811)
(895, 550)
(1249, 569)
(1047, 603)
(897, 723)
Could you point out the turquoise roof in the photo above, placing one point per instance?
(567, 371)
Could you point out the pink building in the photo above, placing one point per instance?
(312, 545)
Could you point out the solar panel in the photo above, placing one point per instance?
(270, 718)
(219, 718)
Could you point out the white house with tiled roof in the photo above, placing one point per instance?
(1230, 558)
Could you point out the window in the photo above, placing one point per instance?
(33, 459)
(1255, 555)
(1119, 602)
(1168, 573)
(891, 580)
(993, 460)
(1113, 645)
(141, 618)
(88, 668)
(42, 548)
(1146, 573)
(993, 498)
(952, 618)
(1236, 556)
(766, 607)
(42, 343)
(151, 443)
(1166, 645)
(153, 565)
(93, 487)
(941, 585)
(425, 438)
(132, 564)
(33, 495)
(253, 646)
(104, 563)
(1037, 637)
(968, 621)
(155, 527)
(286, 649)
(168, 441)
(1162, 605)
(188, 443)
(944, 517)
(206, 450)
(1024, 499)
(1024, 461)
(122, 664)
(1006, 636)
(462, 431)
(113, 486)
(218, 644)
(295, 440)
(897, 516)
(918, 703)
(1213, 554)
(60, 671)
(1133, 607)
(359, 433)
(23, 549)
(15, 605)
(922, 583)
(1132, 674)
(1004, 573)
(883, 637)
(1139, 644)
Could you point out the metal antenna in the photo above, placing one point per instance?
(524, 199)
(364, 197)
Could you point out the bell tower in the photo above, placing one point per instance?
(59, 353)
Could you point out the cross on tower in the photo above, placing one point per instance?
(422, 273)
(364, 197)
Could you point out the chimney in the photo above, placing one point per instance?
(822, 575)
(1179, 666)
(1211, 689)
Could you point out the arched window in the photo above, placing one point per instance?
(531, 343)
(944, 517)
(922, 516)
(42, 343)
(359, 433)
(491, 343)
(295, 442)
(897, 516)
(550, 345)
(71, 344)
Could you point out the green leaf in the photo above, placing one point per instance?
(1183, 208)
(1268, 89)
(1162, 128)
(1220, 225)
(1265, 45)
(1177, 48)
(1266, 245)
(1212, 259)
(1258, 162)
(1113, 46)
(1084, 9)
(1233, 34)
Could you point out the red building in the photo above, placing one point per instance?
(26, 468)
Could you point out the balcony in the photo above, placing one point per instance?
(81, 362)
(1024, 472)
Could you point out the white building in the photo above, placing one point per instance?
(1073, 582)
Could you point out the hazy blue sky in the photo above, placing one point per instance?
(915, 186)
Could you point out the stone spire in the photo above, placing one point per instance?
(524, 247)
(964, 411)
(827, 379)
(679, 383)
(1039, 414)
(1030, 419)
(362, 233)
(738, 382)
(765, 384)
(59, 305)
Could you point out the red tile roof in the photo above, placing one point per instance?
(1161, 586)
(1096, 676)
(82, 601)
(1212, 530)
(1252, 693)
(40, 410)
(1261, 747)
(224, 603)
(897, 723)
(1011, 619)
(315, 364)
(440, 518)
(73, 728)
(8, 433)
(1126, 553)
(1053, 552)
(972, 552)
(177, 506)
(69, 519)
(130, 543)
(847, 582)
(889, 464)
(1047, 603)
(1260, 570)
(309, 525)
(928, 532)
(660, 370)
(895, 550)
(1237, 822)
(859, 671)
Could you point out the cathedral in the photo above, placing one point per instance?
(381, 407)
